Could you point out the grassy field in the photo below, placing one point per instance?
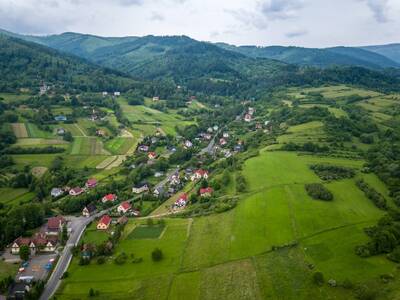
(35, 132)
(307, 132)
(19, 130)
(87, 146)
(230, 256)
(7, 269)
(333, 92)
(120, 145)
(146, 232)
(94, 236)
(11, 196)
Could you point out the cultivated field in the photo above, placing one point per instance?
(19, 130)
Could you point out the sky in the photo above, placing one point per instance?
(307, 23)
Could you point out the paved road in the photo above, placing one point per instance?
(163, 182)
(78, 226)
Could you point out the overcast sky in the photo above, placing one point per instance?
(310, 23)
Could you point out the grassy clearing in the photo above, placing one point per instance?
(11, 196)
(37, 142)
(334, 92)
(34, 160)
(307, 132)
(120, 145)
(94, 236)
(35, 132)
(81, 161)
(75, 131)
(146, 232)
(7, 269)
(87, 146)
(9, 98)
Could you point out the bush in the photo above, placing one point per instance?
(319, 192)
(121, 259)
(372, 194)
(101, 260)
(157, 254)
(329, 172)
(318, 278)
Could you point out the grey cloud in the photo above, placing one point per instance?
(280, 9)
(249, 19)
(379, 8)
(157, 17)
(296, 33)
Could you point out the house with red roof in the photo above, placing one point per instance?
(152, 155)
(182, 200)
(76, 191)
(55, 225)
(109, 198)
(199, 174)
(124, 207)
(247, 118)
(222, 142)
(104, 222)
(206, 192)
(91, 183)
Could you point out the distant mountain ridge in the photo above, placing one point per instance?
(130, 54)
(344, 56)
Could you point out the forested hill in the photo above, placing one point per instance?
(337, 56)
(26, 65)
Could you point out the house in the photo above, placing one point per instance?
(158, 174)
(225, 135)
(156, 98)
(152, 155)
(20, 242)
(104, 222)
(55, 225)
(258, 126)
(215, 128)
(104, 94)
(56, 192)
(91, 183)
(199, 174)
(140, 188)
(109, 198)
(117, 93)
(222, 142)
(209, 129)
(60, 131)
(60, 118)
(174, 180)
(143, 148)
(88, 210)
(247, 118)
(100, 132)
(182, 200)
(238, 148)
(158, 192)
(124, 207)
(76, 191)
(206, 192)
(251, 111)
(188, 144)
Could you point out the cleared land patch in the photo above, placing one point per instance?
(146, 232)
(19, 130)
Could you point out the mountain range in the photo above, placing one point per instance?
(131, 54)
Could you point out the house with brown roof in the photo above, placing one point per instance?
(55, 225)
(91, 183)
(76, 191)
(88, 210)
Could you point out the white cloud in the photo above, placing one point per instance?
(315, 23)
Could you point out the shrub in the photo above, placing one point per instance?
(157, 254)
(319, 192)
(318, 278)
(329, 172)
(121, 259)
(101, 260)
(372, 194)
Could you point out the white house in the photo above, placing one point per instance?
(188, 144)
(56, 192)
(140, 188)
(124, 207)
(199, 174)
(117, 93)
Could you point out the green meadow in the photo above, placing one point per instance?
(231, 256)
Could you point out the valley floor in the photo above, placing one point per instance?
(231, 256)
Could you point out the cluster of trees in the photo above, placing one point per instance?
(306, 147)
(331, 172)
(372, 194)
(318, 191)
(19, 220)
(384, 237)
(33, 150)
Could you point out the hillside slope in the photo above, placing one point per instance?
(26, 64)
(391, 51)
